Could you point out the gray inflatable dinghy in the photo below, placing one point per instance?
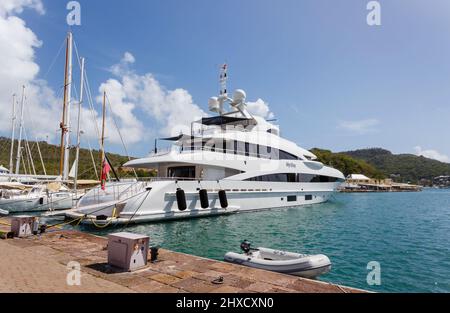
(308, 266)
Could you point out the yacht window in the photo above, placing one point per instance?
(292, 198)
(287, 156)
(264, 152)
(253, 150)
(241, 148)
(230, 147)
(311, 178)
(308, 197)
(291, 178)
(181, 172)
(279, 177)
(235, 147)
(274, 154)
(247, 149)
(295, 178)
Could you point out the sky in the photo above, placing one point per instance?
(331, 80)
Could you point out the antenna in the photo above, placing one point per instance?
(223, 80)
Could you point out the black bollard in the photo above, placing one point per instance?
(154, 254)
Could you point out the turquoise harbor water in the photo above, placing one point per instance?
(407, 233)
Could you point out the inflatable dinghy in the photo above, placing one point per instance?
(308, 266)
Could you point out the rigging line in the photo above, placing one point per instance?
(27, 112)
(28, 153)
(91, 105)
(54, 60)
(90, 101)
(23, 161)
(120, 134)
(92, 109)
(92, 158)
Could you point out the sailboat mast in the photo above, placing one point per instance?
(68, 107)
(13, 129)
(63, 120)
(102, 152)
(80, 103)
(20, 132)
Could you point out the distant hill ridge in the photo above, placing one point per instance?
(407, 167)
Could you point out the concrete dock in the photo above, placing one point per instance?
(40, 264)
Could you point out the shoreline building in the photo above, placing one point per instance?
(362, 183)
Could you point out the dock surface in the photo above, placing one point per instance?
(39, 264)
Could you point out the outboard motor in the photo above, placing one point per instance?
(246, 246)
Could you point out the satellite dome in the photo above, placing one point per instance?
(214, 105)
(239, 96)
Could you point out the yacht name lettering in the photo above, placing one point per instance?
(291, 165)
(187, 303)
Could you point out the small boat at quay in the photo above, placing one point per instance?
(3, 212)
(308, 266)
(23, 198)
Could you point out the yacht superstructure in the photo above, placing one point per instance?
(227, 163)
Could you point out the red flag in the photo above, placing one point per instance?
(105, 171)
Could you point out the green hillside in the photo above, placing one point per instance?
(51, 157)
(404, 167)
(346, 164)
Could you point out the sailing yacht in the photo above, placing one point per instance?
(45, 192)
(228, 163)
(17, 198)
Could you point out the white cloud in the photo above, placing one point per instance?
(359, 127)
(260, 108)
(130, 126)
(123, 67)
(431, 154)
(18, 67)
(140, 103)
(8, 7)
(131, 93)
(128, 58)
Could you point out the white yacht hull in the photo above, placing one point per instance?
(158, 201)
(37, 204)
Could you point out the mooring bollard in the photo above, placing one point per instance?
(154, 252)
